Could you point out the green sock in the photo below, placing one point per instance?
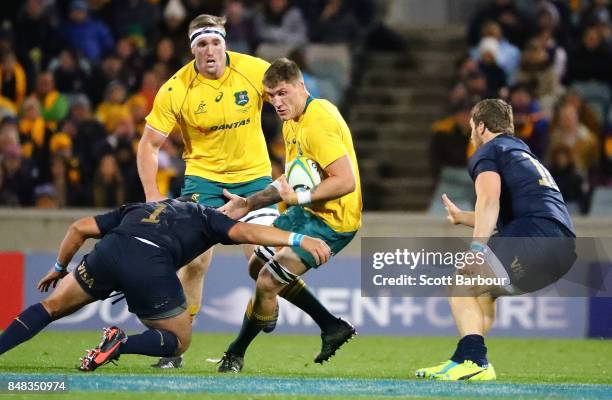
(298, 293)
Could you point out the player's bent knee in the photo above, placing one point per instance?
(184, 341)
(266, 282)
(199, 265)
(52, 306)
(56, 307)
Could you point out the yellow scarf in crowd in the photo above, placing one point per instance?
(20, 84)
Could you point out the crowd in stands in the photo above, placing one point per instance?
(552, 61)
(77, 79)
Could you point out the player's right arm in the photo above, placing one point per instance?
(76, 235)
(147, 162)
(160, 122)
(456, 215)
(270, 236)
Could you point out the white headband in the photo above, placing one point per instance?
(209, 32)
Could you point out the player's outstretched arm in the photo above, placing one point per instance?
(456, 215)
(147, 162)
(271, 236)
(76, 235)
(237, 207)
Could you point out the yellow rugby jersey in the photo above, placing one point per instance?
(220, 119)
(322, 135)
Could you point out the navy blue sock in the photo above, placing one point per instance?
(471, 347)
(31, 321)
(154, 342)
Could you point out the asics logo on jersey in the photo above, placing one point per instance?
(219, 97)
(231, 125)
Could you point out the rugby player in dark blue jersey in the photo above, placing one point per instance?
(142, 247)
(521, 226)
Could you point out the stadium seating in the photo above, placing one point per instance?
(456, 183)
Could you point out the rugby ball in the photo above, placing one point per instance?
(303, 174)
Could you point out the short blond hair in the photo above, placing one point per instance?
(282, 70)
(205, 21)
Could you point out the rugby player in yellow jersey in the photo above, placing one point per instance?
(216, 101)
(331, 211)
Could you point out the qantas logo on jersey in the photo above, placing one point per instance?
(232, 125)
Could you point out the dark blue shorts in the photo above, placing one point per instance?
(533, 252)
(143, 272)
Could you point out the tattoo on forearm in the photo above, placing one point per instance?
(262, 199)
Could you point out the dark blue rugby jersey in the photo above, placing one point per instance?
(185, 229)
(527, 188)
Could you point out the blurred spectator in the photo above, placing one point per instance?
(60, 182)
(113, 108)
(567, 130)
(174, 26)
(13, 81)
(91, 37)
(335, 24)
(512, 21)
(573, 186)
(530, 123)
(9, 133)
(280, 23)
(148, 89)
(35, 138)
(111, 69)
(54, 104)
(138, 110)
(8, 198)
(548, 35)
(134, 17)
(108, 184)
(450, 143)
(494, 75)
(597, 12)
(591, 60)
(239, 28)
(132, 61)
(84, 131)
(36, 33)
(122, 144)
(17, 175)
(45, 197)
(70, 72)
(166, 172)
(477, 88)
(508, 55)
(164, 61)
(586, 115)
(537, 71)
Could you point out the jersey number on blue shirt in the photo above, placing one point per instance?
(546, 178)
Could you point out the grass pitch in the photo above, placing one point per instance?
(281, 367)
